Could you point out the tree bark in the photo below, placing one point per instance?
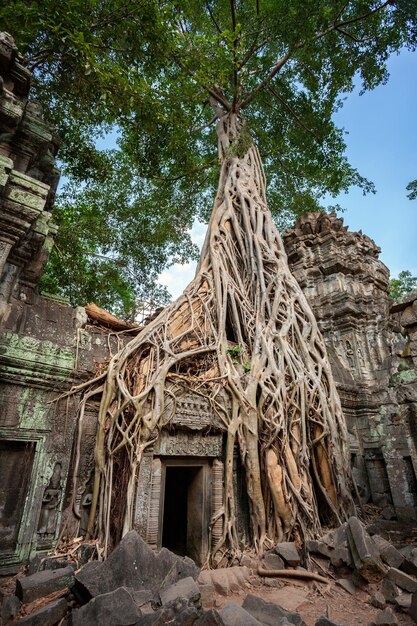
(243, 329)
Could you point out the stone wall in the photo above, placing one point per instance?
(46, 345)
(347, 287)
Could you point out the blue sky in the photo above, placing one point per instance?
(382, 145)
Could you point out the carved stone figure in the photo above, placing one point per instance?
(50, 504)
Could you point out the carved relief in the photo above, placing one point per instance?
(154, 503)
(51, 500)
(188, 444)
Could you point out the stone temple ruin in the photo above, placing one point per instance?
(47, 346)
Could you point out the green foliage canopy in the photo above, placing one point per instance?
(152, 68)
(402, 285)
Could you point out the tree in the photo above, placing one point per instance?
(412, 188)
(127, 65)
(402, 285)
(268, 73)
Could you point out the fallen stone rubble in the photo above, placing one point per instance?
(137, 587)
(359, 560)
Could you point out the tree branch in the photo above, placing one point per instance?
(293, 113)
(283, 60)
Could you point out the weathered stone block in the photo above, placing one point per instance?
(273, 561)
(116, 608)
(288, 551)
(386, 618)
(389, 590)
(10, 607)
(340, 556)
(378, 600)
(185, 588)
(403, 580)
(364, 552)
(209, 618)
(48, 615)
(325, 621)
(234, 615)
(29, 588)
(389, 554)
(403, 602)
(318, 547)
(269, 613)
(413, 608)
(133, 565)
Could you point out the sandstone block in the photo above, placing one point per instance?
(364, 552)
(378, 600)
(29, 588)
(288, 551)
(270, 613)
(403, 602)
(325, 621)
(185, 588)
(273, 561)
(389, 554)
(116, 608)
(403, 580)
(386, 618)
(413, 608)
(48, 615)
(389, 590)
(209, 618)
(234, 615)
(134, 565)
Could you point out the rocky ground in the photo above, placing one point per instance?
(355, 575)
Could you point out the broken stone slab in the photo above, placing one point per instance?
(177, 613)
(403, 602)
(29, 588)
(336, 537)
(388, 553)
(365, 556)
(409, 566)
(413, 608)
(315, 546)
(378, 600)
(273, 561)
(209, 618)
(134, 565)
(233, 614)
(269, 613)
(287, 550)
(10, 607)
(48, 615)
(141, 597)
(207, 594)
(347, 585)
(340, 556)
(221, 581)
(185, 588)
(402, 580)
(325, 621)
(116, 607)
(386, 618)
(389, 590)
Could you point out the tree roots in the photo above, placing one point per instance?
(242, 330)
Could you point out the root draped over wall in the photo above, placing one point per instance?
(243, 329)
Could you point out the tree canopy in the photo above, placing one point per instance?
(148, 71)
(402, 285)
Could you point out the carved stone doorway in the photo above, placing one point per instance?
(185, 507)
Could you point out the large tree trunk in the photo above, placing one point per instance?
(242, 327)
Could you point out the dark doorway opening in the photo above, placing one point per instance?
(182, 529)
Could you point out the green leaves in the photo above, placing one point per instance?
(402, 285)
(152, 69)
